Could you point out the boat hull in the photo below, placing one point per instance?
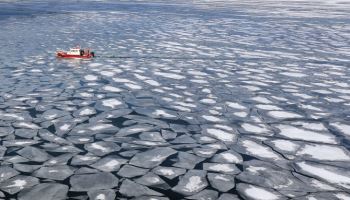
(65, 55)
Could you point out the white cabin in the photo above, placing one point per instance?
(74, 51)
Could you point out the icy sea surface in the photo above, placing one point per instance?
(203, 100)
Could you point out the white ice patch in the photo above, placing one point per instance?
(268, 107)
(28, 125)
(344, 128)
(294, 74)
(302, 134)
(152, 82)
(170, 75)
(241, 114)
(324, 152)
(17, 183)
(285, 145)
(194, 183)
(133, 86)
(112, 103)
(101, 197)
(208, 101)
(212, 118)
(235, 105)
(221, 167)
(111, 88)
(162, 113)
(326, 174)
(86, 112)
(259, 129)
(90, 77)
(283, 114)
(260, 150)
(221, 135)
(99, 147)
(262, 100)
(259, 193)
(166, 172)
(111, 164)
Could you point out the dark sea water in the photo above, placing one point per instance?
(184, 100)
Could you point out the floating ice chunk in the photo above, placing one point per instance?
(191, 183)
(205, 152)
(107, 73)
(228, 196)
(187, 160)
(259, 150)
(169, 172)
(4, 131)
(34, 154)
(111, 88)
(130, 171)
(228, 157)
(163, 113)
(262, 100)
(108, 194)
(221, 168)
(220, 134)
(18, 183)
(221, 182)
(152, 158)
(135, 129)
(344, 128)
(153, 180)
(96, 181)
(302, 134)
(294, 74)
(267, 107)
(44, 191)
(170, 75)
(59, 172)
(101, 148)
(283, 114)
(112, 103)
(324, 152)
(84, 159)
(208, 101)
(109, 163)
(205, 194)
(334, 175)
(235, 105)
(28, 125)
(133, 86)
(257, 193)
(85, 111)
(285, 145)
(258, 129)
(132, 189)
(95, 64)
(8, 172)
(153, 83)
(90, 77)
(241, 114)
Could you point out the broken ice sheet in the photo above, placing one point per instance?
(297, 133)
(109, 163)
(101, 148)
(258, 193)
(152, 158)
(191, 183)
(94, 181)
(132, 189)
(337, 176)
(18, 183)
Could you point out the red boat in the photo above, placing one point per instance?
(76, 52)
